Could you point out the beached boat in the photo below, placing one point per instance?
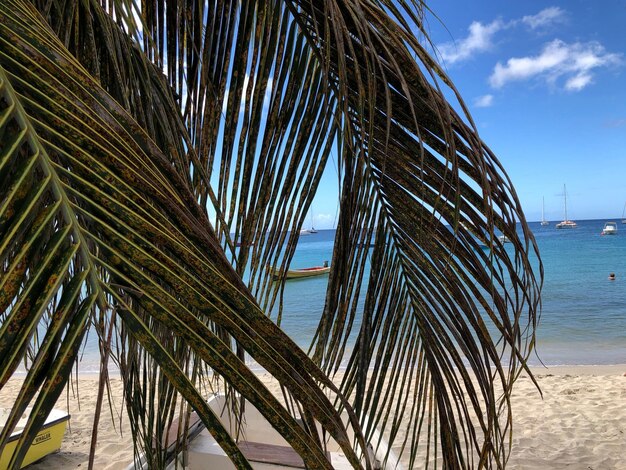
(610, 228)
(544, 222)
(566, 223)
(47, 440)
(300, 273)
(265, 448)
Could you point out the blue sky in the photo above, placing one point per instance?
(545, 83)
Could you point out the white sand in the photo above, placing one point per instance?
(579, 424)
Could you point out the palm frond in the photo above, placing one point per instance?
(136, 229)
(238, 106)
(419, 180)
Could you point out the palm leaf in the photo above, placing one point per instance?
(153, 246)
(266, 89)
(413, 168)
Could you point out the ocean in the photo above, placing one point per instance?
(583, 316)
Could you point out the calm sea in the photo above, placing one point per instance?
(583, 319)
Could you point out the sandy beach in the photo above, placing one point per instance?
(580, 423)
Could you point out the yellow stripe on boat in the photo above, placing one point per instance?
(47, 440)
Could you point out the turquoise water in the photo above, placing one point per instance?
(584, 314)
(583, 318)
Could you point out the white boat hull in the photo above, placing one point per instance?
(566, 224)
(263, 444)
(610, 228)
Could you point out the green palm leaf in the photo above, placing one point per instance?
(137, 232)
(237, 108)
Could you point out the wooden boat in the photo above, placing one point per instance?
(300, 273)
(264, 448)
(47, 440)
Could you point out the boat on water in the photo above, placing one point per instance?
(624, 214)
(305, 231)
(47, 440)
(544, 222)
(504, 239)
(300, 273)
(265, 448)
(610, 228)
(312, 229)
(566, 223)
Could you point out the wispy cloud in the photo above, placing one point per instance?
(323, 220)
(558, 60)
(484, 101)
(480, 36)
(615, 123)
(478, 40)
(544, 18)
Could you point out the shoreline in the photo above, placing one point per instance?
(560, 369)
(579, 422)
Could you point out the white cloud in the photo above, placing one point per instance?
(578, 82)
(544, 18)
(479, 39)
(480, 36)
(572, 62)
(323, 220)
(483, 101)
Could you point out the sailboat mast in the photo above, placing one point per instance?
(543, 209)
(565, 200)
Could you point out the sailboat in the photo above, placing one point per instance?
(623, 214)
(544, 222)
(312, 229)
(566, 223)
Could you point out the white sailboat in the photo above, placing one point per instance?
(312, 229)
(544, 222)
(624, 214)
(566, 223)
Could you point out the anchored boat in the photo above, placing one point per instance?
(610, 228)
(544, 222)
(566, 223)
(300, 273)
